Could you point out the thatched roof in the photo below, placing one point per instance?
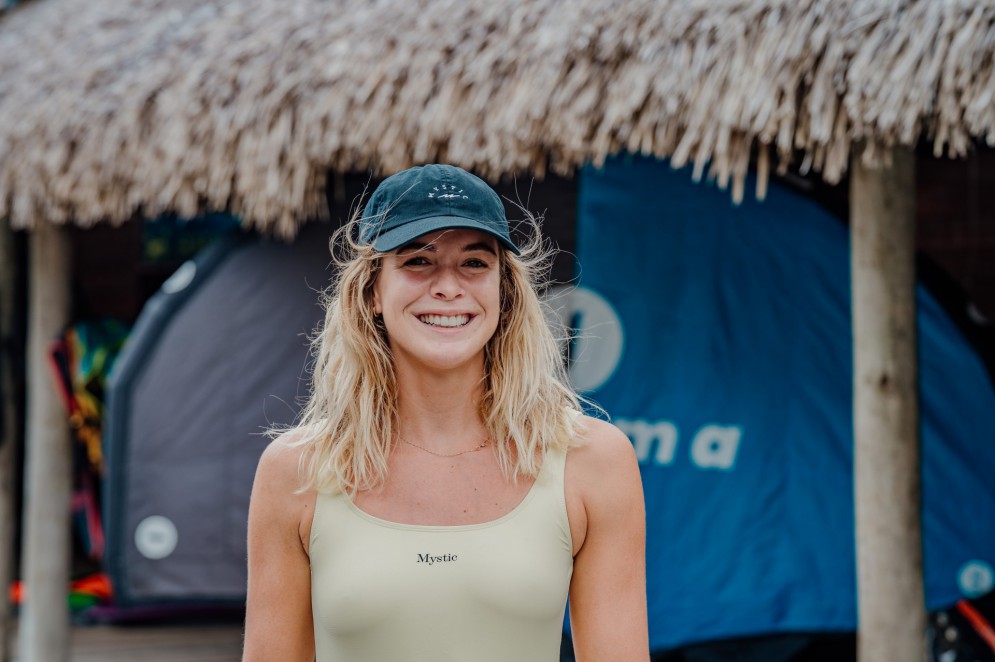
(110, 108)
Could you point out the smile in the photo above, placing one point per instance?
(448, 321)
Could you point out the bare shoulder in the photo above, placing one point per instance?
(279, 464)
(278, 471)
(278, 607)
(602, 480)
(278, 479)
(602, 447)
(276, 502)
(608, 597)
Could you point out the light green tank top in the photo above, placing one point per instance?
(492, 592)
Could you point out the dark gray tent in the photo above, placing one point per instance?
(216, 356)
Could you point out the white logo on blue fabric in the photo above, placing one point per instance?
(597, 335)
(156, 537)
(713, 446)
(976, 578)
(447, 193)
(595, 353)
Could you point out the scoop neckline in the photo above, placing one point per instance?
(450, 527)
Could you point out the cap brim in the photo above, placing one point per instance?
(397, 237)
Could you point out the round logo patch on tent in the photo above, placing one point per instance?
(597, 335)
(976, 578)
(156, 537)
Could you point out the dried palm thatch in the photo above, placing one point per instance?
(110, 108)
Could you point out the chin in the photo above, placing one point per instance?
(448, 362)
(443, 359)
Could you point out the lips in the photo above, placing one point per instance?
(445, 321)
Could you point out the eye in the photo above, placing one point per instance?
(476, 263)
(416, 261)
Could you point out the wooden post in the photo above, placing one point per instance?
(890, 597)
(44, 629)
(8, 433)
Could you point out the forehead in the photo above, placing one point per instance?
(453, 238)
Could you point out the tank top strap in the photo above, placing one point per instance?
(550, 492)
(553, 470)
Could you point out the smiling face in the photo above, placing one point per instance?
(440, 299)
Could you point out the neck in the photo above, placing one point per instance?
(440, 410)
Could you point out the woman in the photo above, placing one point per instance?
(442, 493)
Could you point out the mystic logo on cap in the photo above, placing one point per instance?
(447, 196)
(424, 199)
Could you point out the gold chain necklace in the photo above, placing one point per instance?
(431, 452)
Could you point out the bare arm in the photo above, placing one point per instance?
(278, 622)
(608, 589)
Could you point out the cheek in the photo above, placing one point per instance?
(392, 296)
(494, 302)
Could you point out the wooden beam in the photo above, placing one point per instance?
(44, 628)
(8, 433)
(890, 597)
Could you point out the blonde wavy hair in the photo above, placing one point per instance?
(349, 423)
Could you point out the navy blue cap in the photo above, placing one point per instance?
(428, 198)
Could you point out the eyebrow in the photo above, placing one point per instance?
(479, 246)
(414, 246)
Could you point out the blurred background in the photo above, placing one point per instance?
(170, 176)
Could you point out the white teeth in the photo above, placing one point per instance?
(445, 320)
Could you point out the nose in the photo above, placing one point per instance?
(446, 284)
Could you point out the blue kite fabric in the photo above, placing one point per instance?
(718, 338)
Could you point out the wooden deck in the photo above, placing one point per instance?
(102, 643)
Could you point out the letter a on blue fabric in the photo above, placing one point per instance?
(729, 365)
